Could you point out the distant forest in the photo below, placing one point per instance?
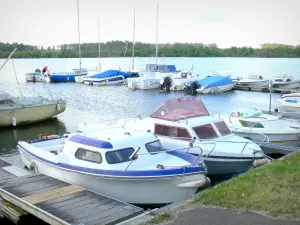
(117, 49)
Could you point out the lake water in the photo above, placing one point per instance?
(91, 103)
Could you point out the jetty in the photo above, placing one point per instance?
(56, 202)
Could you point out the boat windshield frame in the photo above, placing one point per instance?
(180, 109)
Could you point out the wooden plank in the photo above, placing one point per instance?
(41, 197)
(23, 181)
(2, 163)
(20, 192)
(76, 216)
(123, 215)
(63, 200)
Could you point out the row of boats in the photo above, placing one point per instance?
(167, 77)
(163, 158)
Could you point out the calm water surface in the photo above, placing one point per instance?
(91, 104)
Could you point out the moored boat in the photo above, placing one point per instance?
(17, 111)
(254, 80)
(67, 76)
(117, 161)
(107, 77)
(251, 122)
(211, 84)
(285, 81)
(183, 120)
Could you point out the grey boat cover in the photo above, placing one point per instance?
(5, 96)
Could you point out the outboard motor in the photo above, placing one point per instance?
(192, 88)
(166, 84)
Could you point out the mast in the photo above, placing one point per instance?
(78, 35)
(156, 49)
(99, 44)
(133, 39)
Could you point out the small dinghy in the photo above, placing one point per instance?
(128, 165)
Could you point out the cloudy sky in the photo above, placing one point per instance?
(224, 22)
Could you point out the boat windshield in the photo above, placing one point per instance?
(180, 108)
(5, 98)
(154, 147)
(205, 132)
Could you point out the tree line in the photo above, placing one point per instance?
(122, 48)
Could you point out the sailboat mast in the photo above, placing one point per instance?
(79, 35)
(156, 49)
(99, 44)
(133, 39)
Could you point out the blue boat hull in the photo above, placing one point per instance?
(64, 77)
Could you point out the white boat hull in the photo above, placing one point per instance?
(278, 138)
(103, 83)
(30, 114)
(31, 77)
(127, 189)
(287, 85)
(141, 83)
(254, 84)
(217, 89)
(179, 84)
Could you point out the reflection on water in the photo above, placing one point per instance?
(11, 136)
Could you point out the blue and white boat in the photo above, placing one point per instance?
(128, 165)
(211, 84)
(67, 76)
(107, 77)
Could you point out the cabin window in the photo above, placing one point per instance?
(87, 155)
(223, 128)
(177, 132)
(246, 123)
(288, 80)
(119, 156)
(205, 131)
(154, 147)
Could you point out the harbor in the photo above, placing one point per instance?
(76, 126)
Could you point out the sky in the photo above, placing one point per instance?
(224, 22)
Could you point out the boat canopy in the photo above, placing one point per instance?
(249, 112)
(215, 81)
(111, 73)
(160, 68)
(180, 108)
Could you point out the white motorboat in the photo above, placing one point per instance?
(181, 120)
(151, 77)
(253, 81)
(116, 161)
(16, 111)
(211, 84)
(285, 81)
(36, 76)
(177, 82)
(251, 122)
(107, 77)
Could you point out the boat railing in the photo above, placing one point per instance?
(185, 150)
(129, 119)
(177, 119)
(110, 121)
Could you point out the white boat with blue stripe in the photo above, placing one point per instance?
(127, 165)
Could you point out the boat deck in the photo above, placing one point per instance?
(57, 202)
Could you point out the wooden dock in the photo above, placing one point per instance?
(266, 89)
(57, 202)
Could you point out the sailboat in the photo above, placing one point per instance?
(70, 76)
(80, 79)
(150, 79)
(15, 111)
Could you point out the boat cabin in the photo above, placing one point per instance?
(160, 68)
(109, 148)
(187, 118)
(282, 78)
(255, 77)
